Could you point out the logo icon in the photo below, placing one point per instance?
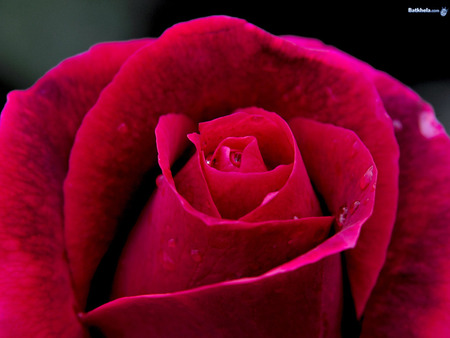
(444, 11)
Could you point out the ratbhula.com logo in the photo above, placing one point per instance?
(442, 11)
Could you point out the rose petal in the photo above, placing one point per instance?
(175, 247)
(340, 166)
(221, 64)
(281, 193)
(172, 248)
(303, 302)
(36, 134)
(412, 295)
(365, 261)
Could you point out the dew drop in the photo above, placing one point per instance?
(167, 262)
(196, 255)
(210, 161)
(397, 124)
(342, 215)
(366, 178)
(235, 158)
(355, 205)
(159, 181)
(171, 243)
(295, 217)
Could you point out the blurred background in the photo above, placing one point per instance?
(413, 47)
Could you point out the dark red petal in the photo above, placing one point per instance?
(412, 295)
(238, 154)
(220, 64)
(88, 226)
(365, 261)
(175, 247)
(341, 169)
(301, 302)
(37, 129)
(273, 134)
(236, 194)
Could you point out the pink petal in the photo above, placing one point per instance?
(175, 247)
(303, 302)
(412, 295)
(365, 261)
(282, 193)
(220, 64)
(88, 231)
(36, 134)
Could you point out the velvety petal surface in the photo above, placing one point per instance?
(412, 295)
(37, 129)
(207, 68)
(241, 66)
(311, 296)
(365, 261)
(282, 192)
(175, 247)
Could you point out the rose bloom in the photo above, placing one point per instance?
(220, 181)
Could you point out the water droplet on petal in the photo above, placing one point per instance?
(196, 255)
(235, 158)
(366, 178)
(295, 217)
(397, 124)
(159, 181)
(167, 262)
(355, 205)
(342, 215)
(172, 243)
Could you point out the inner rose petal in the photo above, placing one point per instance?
(246, 159)
(239, 154)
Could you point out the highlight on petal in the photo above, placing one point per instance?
(412, 295)
(37, 129)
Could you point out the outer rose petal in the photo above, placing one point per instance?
(412, 295)
(365, 261)
(249, 307)
(37, 129)
(209, 67)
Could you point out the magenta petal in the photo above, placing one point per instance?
(36, 134)
(93, 198)
(365, 261)
(174, 247)
(341, 169)
(412, 295)
(221, 64)
(303, 302)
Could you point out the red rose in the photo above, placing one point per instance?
(298, 192)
